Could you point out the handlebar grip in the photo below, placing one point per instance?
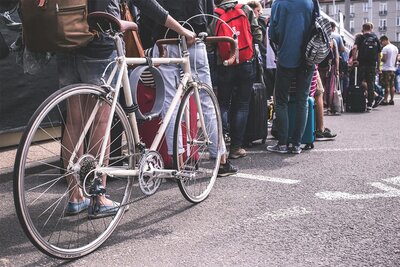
(233, 53)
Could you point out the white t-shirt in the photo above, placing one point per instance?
(391, 52)
(271, 59)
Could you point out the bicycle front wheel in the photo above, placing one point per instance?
(43, 184)
(197, 150)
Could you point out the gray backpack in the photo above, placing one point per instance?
(317, 47)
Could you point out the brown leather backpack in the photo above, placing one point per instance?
(55, 25)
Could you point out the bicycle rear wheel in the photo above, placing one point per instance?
(41, 191)
(197, 160)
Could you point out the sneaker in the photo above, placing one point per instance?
(384, 103)
(369, 108)
(391, 102)
(282, 149)
(294, 149)
(101, 211)
(74, 208)
(325, 135)
(227, 169)
(378, 101)
(237, 152)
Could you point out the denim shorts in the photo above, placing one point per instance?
(78, 68)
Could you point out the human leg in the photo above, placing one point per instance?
(303, 81)
(283, 81)
(244, 76)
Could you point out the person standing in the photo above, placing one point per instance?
(366, 54)
(290, 26)
(389, 58)
(240, 76)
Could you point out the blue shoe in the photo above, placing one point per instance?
(100, 211)
(74, 208)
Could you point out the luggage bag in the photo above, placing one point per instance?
(309, 132)
(257, 121)
(355, 101)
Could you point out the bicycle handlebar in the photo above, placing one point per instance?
(210, 39)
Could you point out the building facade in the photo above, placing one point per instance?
(384, 14)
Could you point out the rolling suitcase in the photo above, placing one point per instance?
(257, 120)
(355, 101)
(309, 132)
(149, 128)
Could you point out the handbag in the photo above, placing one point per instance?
(337, 101)
(133, 45)
(55, 25)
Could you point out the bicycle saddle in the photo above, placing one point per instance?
(102, 21)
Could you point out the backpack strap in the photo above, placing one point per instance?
(219, 11)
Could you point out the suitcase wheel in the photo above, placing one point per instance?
(308, 146)
(263, 141)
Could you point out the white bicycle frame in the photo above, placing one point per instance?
(120, 71)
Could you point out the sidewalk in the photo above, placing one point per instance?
(7, 161)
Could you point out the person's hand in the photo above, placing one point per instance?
(190, 36)
(355, 63)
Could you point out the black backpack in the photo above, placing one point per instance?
(369, 48)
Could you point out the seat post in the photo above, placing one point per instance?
(119, 44)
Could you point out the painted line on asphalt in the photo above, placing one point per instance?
(266, 178)
(355, 149)
(282, 214)
(389, 191)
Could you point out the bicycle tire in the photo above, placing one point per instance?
(200, 166)
(40, 188)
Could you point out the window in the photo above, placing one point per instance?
(398, 21)
(382, 7)
(398, 36)
(365, 20)
(352, 8)
(398, 5)
(365, 7)
(382, 23)
(351, 22)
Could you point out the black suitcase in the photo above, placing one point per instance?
(257, 121)
(355, 101)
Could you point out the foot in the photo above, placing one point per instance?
(324, 135)
(282, 149)
(237, 152)
(227, 169)
(391, 102)
(369, 108)
(104, 208)
(294, 149)
(378, 101)
(74, 208)
(384, 103)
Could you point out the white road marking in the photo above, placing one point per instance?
(389, 191)
(282, 214)
(266, 178)
(354, 149)
(393, 180)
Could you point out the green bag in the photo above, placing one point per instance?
(55, 25)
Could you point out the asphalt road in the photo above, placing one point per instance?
(335, 205)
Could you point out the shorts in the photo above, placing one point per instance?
(388, 78)
(320, 88)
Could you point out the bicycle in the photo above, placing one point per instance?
(41, 194)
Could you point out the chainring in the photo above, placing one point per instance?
(148, 182)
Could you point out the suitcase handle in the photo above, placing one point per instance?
(355, 78)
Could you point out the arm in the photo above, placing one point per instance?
(155, 11)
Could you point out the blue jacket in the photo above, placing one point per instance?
(290, 25)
